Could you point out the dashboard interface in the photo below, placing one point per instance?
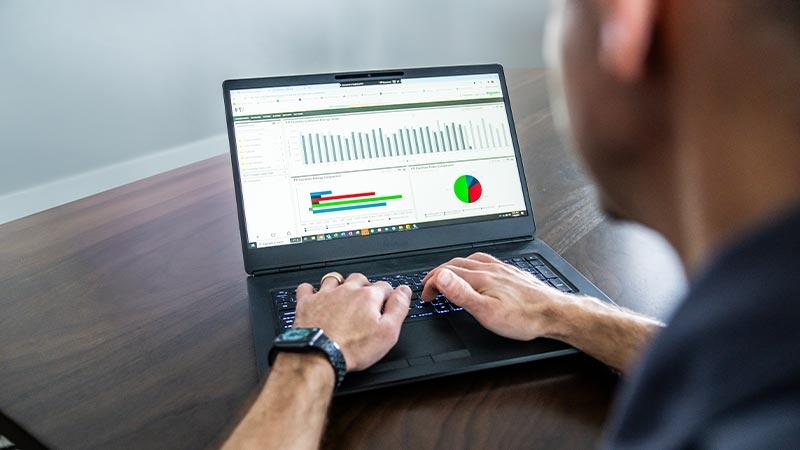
(353, 159)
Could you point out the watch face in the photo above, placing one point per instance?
(298, 334)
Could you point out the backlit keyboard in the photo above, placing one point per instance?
(285, 301)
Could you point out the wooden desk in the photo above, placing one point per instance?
(124, 319)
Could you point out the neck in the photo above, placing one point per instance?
(729, 196)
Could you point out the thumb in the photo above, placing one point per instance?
(457, 290)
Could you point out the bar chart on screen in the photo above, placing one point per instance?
(328, 201)
(389, 138)
(349, 200)
(320, 148)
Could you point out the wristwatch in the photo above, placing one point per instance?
(303, 340)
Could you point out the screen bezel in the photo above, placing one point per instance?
(307, 254)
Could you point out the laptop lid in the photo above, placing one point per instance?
(342, 166)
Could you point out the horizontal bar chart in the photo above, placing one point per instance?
(323, 148)
(325, 201)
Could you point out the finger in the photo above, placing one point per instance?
(304, 290)
(385, 290)
(459, 262)
(384, 287)
(484, 257)
(452, 285)
(357, 278)
(396, 307)
(330, 281)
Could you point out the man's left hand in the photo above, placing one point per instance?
(363, 318)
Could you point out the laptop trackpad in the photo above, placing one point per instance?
(423, 342)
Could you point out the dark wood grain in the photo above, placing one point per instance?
(124, 319)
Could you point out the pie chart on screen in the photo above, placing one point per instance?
(468, 189)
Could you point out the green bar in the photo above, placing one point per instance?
(357, 200)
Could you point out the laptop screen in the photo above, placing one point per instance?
(348, 160)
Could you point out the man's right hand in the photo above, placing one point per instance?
(516, 305)
(504, 299)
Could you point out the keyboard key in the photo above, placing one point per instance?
(534, 260)
(544, 270)
(285, 305)
(416, 314)
(442, 307)
(560, 285)
(416, 304)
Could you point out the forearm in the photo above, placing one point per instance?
(290, 412)
(610, 334)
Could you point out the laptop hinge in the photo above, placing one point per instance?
(502, 241)
(273, 271)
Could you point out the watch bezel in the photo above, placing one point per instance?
(309, 339)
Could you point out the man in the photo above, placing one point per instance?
(687, 113)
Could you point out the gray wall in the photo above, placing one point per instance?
(97, 93)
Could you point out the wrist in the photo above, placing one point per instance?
(311, 367)
(565, 316)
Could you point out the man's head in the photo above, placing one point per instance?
(655, 91)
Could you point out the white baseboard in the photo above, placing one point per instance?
(45, 196)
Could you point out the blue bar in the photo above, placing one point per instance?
(320, 194)
(346, 208)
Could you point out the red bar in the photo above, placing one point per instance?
(314, 201)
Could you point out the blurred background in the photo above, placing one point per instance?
(99, 93)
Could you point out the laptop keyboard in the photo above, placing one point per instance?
(285, 302)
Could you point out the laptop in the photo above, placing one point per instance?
(386, 173)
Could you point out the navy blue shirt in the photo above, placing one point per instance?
(725, 373)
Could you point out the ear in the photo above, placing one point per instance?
(626, 36)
